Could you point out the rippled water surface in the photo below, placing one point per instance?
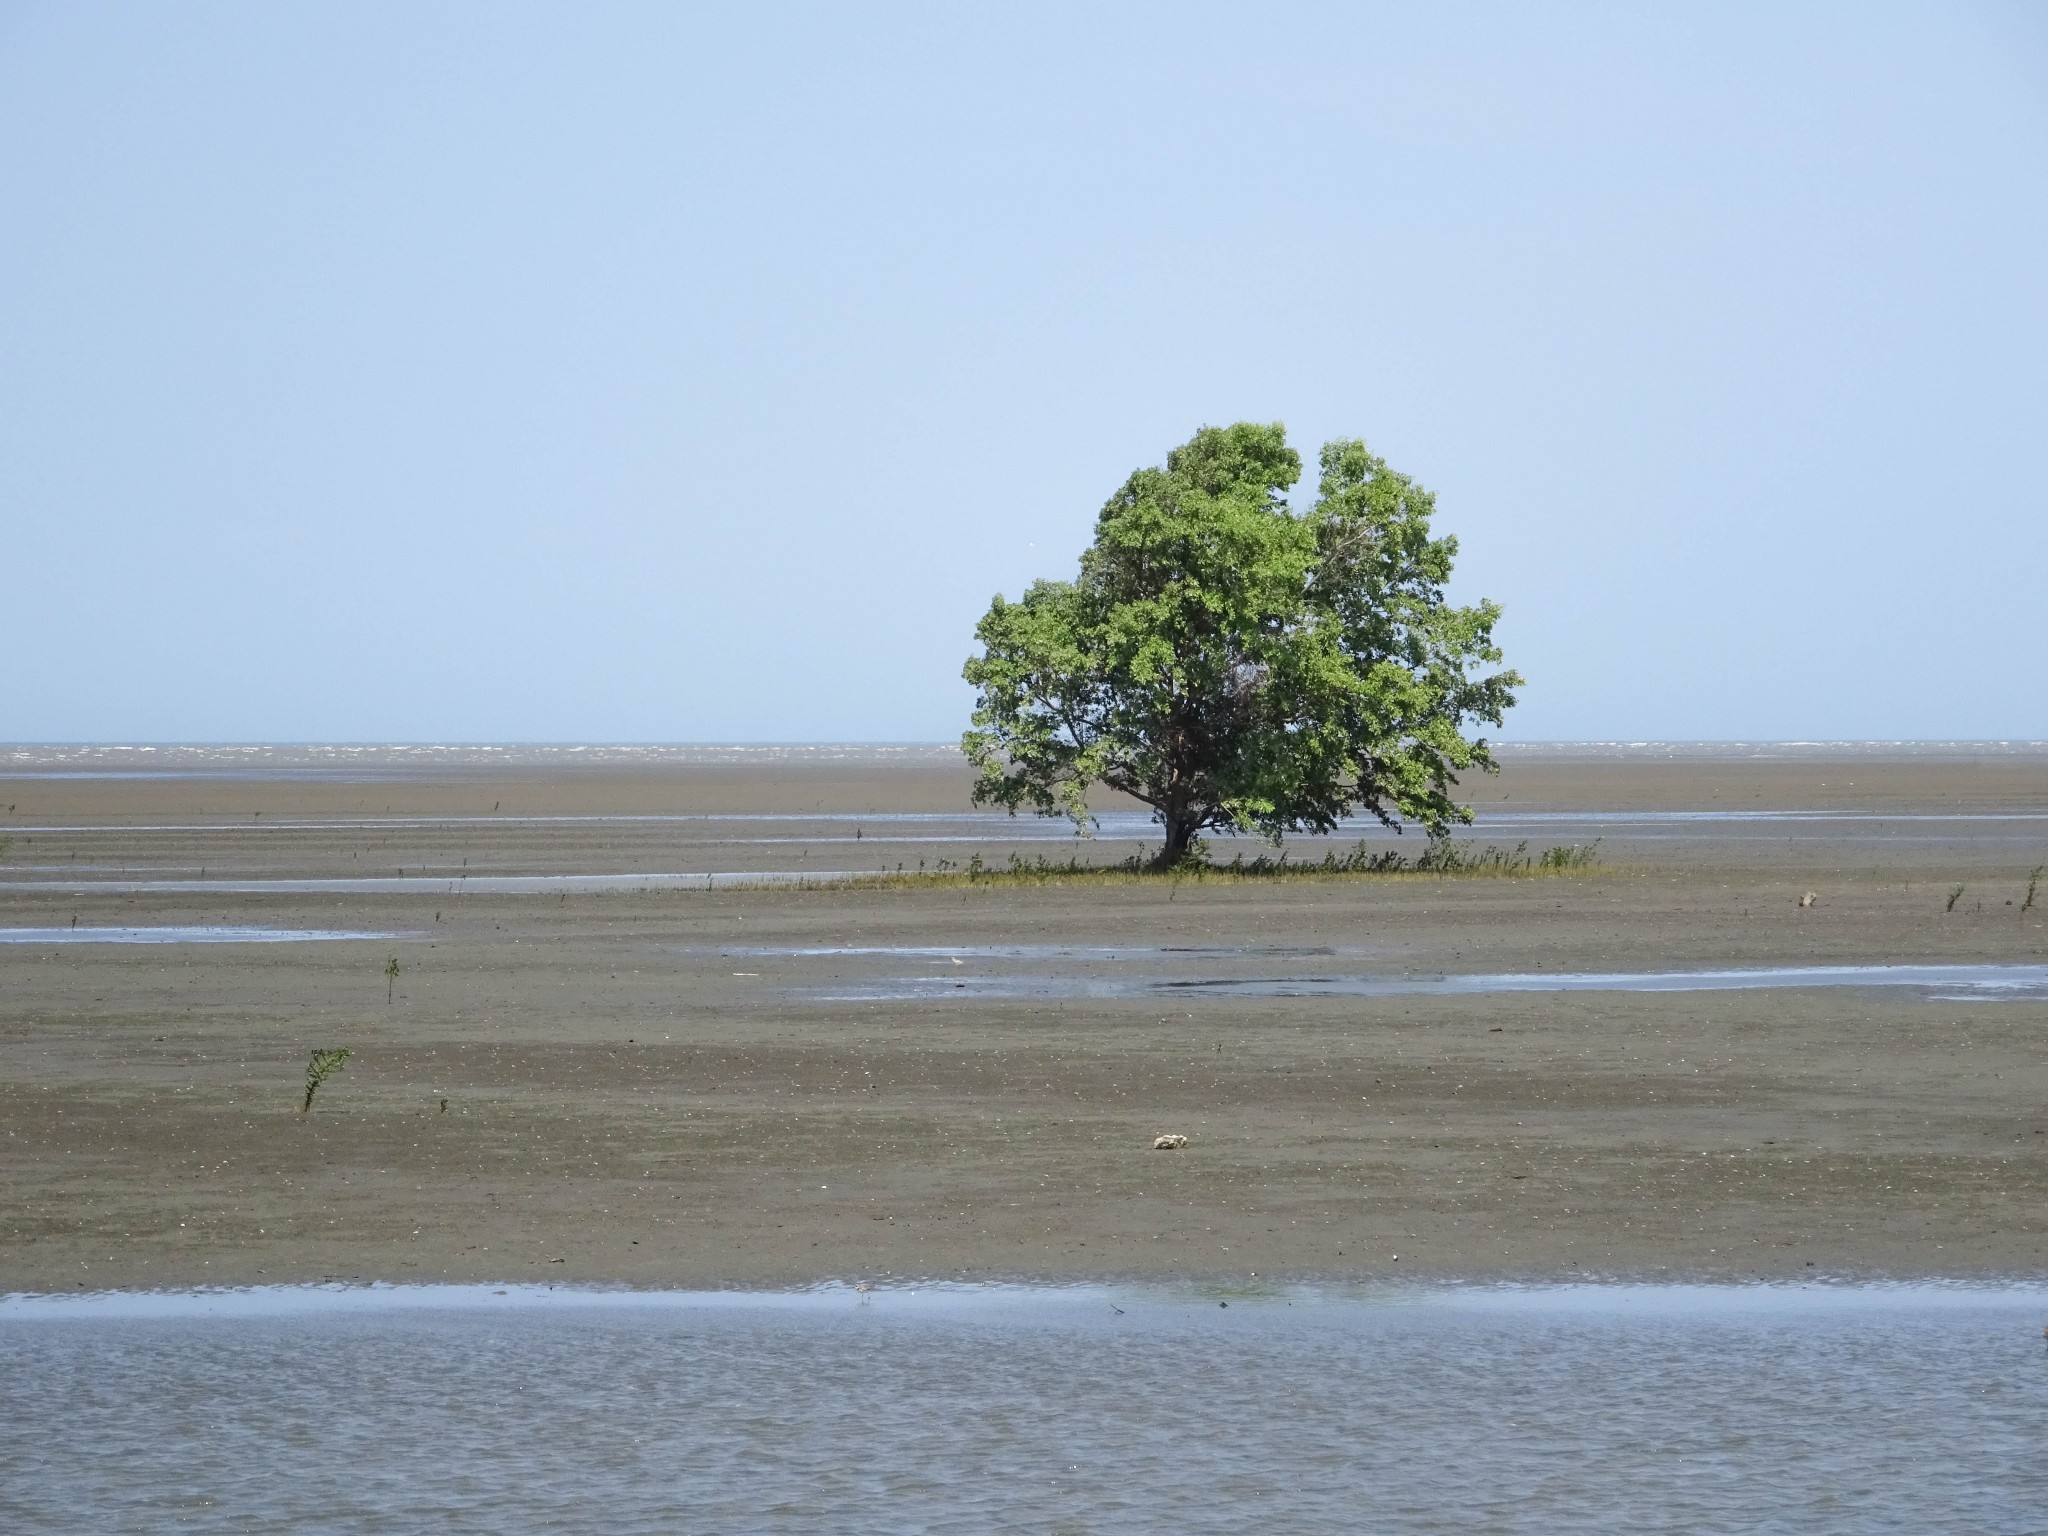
(1581, 1409)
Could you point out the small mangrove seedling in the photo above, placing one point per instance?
(392, 969)
(2033, 883)
(1955, 892)
(323, 1066)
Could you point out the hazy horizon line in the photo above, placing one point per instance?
(561, 745)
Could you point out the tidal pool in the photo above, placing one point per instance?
(439, 885)
(186, 935)
(1041, 951)
(1812, 1410)
(1971, 983)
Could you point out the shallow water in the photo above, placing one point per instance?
(1041, 951)
(203, 757)
(224, 774)
(1974, 983)
(1112, 826)
(1812, 1410)
(185, 935)
(441, 885)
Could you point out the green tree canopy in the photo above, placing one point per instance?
(1234, 663)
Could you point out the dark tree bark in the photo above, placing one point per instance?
(1180, 836)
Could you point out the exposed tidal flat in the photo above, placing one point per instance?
(599, 1063)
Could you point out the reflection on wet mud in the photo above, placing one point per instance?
(1974, 983)
(1047, 951)
(186, 935)
(444, 885)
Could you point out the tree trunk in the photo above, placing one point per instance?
(1180, 836)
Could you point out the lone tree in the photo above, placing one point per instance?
(1234, 663)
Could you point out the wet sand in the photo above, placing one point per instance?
(644, 1085)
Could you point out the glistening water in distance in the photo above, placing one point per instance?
(1812, 1410)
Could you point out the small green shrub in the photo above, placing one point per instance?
(1955, 892)
(323, 1066)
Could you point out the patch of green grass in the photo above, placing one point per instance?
(1440, 856)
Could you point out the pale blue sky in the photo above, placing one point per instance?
(444, 372)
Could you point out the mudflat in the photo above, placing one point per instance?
(667, 1080)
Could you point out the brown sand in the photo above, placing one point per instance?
(623, 1106)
